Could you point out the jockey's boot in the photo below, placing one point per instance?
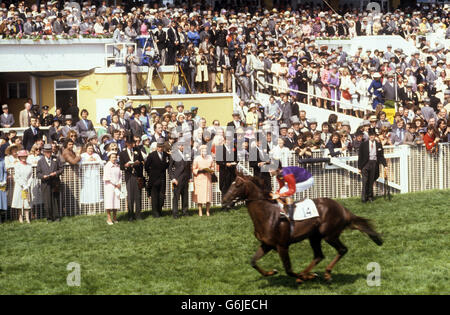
(291, 209)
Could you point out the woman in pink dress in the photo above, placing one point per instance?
(324, 76)
(112, 177)
(202, 180)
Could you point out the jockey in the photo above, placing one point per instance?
(291, 179)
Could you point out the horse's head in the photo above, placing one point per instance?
(237, 191)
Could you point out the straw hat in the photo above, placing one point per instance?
(13, 147)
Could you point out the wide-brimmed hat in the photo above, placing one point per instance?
(12, 147)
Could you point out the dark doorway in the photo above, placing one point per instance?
(64, 97)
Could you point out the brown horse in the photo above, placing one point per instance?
(274, 232)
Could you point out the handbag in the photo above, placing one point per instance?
(25, 194)
(346, 95)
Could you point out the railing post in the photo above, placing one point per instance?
(441, 166)
(404, 151)
(307, 94)
(233, 84)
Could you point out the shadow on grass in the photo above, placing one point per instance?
(289, 282)
(123, 216)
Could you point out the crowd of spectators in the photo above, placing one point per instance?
(279, 45)
(276, 47)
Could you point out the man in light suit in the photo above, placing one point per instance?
(131, 63)
(25, 116)
(7, 119)
(84, 127)
(48, 171)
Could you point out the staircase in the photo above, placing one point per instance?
(320, 114)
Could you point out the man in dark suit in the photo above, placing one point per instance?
(225, 63)
(136, 126)
(74, 112)
(179, 174)
(45, 118)
(32, 134)
(6, 119)
(131, 162)
(160, 37)
(173, 43)
(123, 122)
(155, 166)
(159, 134)
(226, 157)
(236, 122)
(48, 171)
(370, 156)
(84, 127)
(260, 161)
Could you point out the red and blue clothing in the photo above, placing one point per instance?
(292, 175)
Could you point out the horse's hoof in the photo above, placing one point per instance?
(328, 277)
(299, 281)
(309, 276)
(272, 273)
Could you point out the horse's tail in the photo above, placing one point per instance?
(364, 225)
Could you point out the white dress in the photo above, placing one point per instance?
(346, 83)
(90, 179)
(362, 87)
(23, 176)
(35, 188)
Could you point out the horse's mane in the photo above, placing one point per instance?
(259, 182)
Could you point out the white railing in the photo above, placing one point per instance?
(411, 169)
(310, 96)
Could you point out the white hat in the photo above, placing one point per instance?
(377, 75)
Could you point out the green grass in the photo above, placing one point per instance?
(211, 255)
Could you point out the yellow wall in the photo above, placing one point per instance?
(108, 86)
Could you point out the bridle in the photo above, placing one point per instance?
(236, 199)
